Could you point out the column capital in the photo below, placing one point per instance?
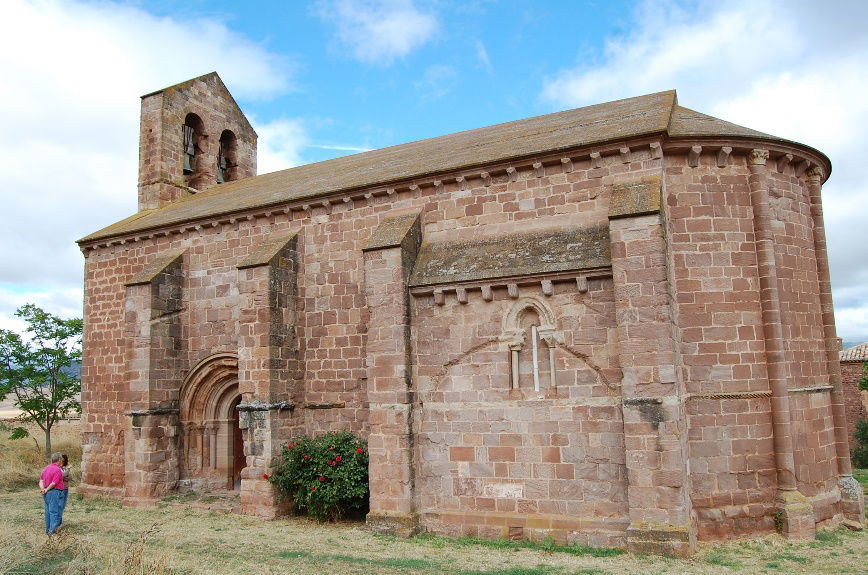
(757, 157)
(814, 174)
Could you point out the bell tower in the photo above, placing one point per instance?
(193, 136)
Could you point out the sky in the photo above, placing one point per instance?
(327, 78)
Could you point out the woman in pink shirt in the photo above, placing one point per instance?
(50, 486)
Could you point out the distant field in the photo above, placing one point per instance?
(23, 459)
(8, 411)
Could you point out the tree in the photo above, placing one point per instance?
(39, 368)
(863, 383)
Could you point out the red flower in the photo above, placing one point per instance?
(321, 478)
(338, 459)
(331, 463)
(265, 476)
(313, 488)
(306, 457)
(360, 451)
(290, 446)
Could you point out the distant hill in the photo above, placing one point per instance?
(73, 369)
(848, 344)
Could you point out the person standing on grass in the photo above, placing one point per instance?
(64, 491)
(50, 486)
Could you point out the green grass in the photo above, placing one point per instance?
(399, 563)
(181, 497)
(830, 538)
(505, 544)
(511, 571)
(861, 476)
(786, 556)
(43, 563)
(722, 559)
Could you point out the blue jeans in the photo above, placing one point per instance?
(64, 496)
(53, 510)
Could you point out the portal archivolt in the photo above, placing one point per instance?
(212, 448)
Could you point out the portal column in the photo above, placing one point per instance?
(389, 259)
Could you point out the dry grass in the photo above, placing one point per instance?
(101, 537)
(21, 460)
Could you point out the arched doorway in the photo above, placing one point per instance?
(212, 447)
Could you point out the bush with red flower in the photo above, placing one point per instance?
(326, 475)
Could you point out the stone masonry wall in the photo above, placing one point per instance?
(493, 461)
(717, 289)
(856, 401)
(332, 318)
(802, 323)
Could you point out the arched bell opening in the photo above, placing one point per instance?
(212, 448)
(194, 147)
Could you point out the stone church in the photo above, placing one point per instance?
(610, 325)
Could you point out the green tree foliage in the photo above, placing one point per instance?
(860, 451)
(37, 368)
(863, 383)
(326, 476)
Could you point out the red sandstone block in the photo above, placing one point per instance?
(501, 454)
(462, 454)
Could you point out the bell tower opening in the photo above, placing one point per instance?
(192, 136)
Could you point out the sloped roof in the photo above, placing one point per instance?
(855, 353)
(653, 114)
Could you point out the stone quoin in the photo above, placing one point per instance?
(609, 326)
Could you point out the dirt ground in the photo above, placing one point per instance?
(178, 537)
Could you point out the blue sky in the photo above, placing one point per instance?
(456, 67)
(326, 78)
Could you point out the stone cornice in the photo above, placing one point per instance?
(782, 155)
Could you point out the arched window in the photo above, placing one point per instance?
(532, 346)
(193, 135)
(226, 157)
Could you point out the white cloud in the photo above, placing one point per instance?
(63, 302)
(280, 144)
(437, 82)
(798, 70)
(72, 74)
(482, 56)
(379, 31)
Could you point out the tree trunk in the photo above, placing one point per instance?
(48, 442)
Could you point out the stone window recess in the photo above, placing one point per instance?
(532, 341)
